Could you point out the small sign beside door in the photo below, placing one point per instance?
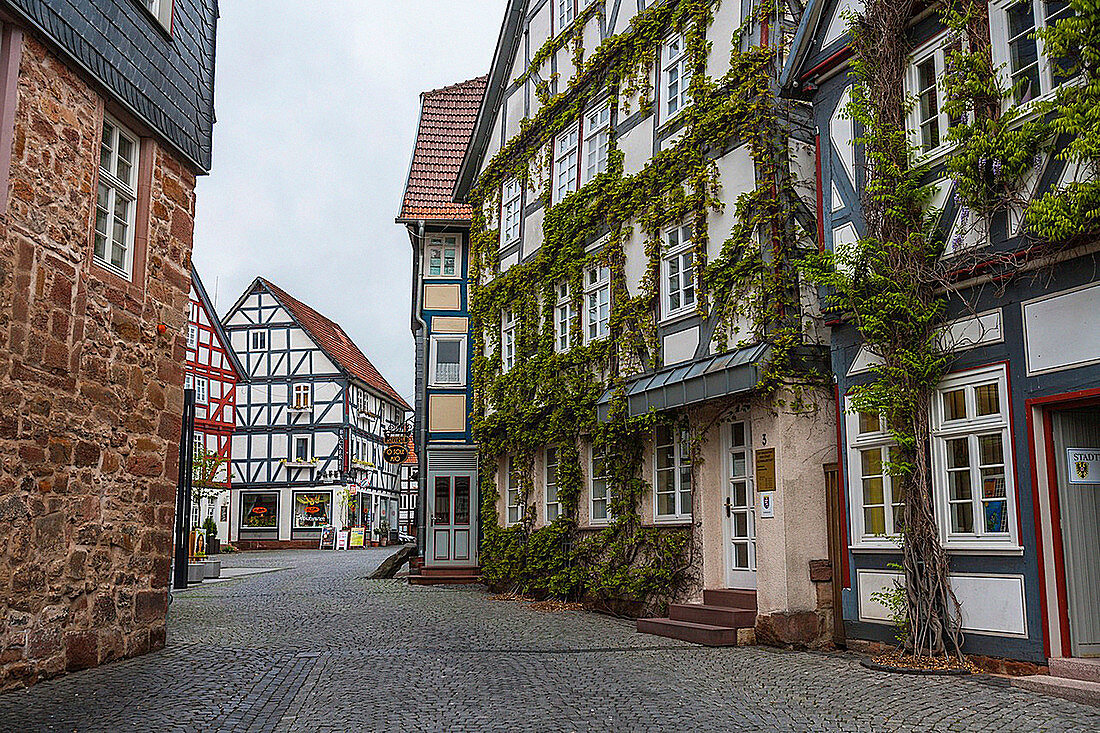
(765, 469)
(1083, 465)
(767, 504)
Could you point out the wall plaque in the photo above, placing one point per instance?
(765, 469)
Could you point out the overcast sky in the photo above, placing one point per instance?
(317, 108)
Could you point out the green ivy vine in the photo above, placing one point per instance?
(549, 397)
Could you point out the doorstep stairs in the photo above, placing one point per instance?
(714, 622)
(446, 576)
(1071, 678)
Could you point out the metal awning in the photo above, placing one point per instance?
(727, 374)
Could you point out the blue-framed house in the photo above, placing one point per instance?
(1018, 415)
(439, 231)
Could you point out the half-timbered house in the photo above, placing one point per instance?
(439, 231)
(213, 371)
(1020, 398)
(307, 451)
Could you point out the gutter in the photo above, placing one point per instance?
(419, 324)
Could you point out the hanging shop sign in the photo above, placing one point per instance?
(395, 453)
(1083, 465)
(765, 469)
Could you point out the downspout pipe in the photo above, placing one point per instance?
(419, 325)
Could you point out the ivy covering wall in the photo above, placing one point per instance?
(548, 398)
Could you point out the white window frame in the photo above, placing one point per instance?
(675, 60)
(597, 297)
(608, 517)
(192, 336)
(116, 187)
(882, 440)
(162, 11)
(295, 441)
(564, 313)
(435, 379)
(202, 390)
(999, 34)
(258, 339)
(567, 162)
(681, 460)
(565, 12)
(936, 51)
(973, 427)
(511, 207)
(678, 251)
(597, 141)
(553, 508)
(301, 396)
(507, 340)
(513, 496)
(437, 247)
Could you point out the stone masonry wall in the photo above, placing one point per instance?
(90, 394)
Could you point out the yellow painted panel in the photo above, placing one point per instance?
(447, 413)
(441, 297)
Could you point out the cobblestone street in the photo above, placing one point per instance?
(317, 647)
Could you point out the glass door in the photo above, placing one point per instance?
(451, 533)
(740, 511)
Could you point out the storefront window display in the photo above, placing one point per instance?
(259, 511)
(312, 510)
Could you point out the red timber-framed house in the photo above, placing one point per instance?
(213, 371)
(307, 447)
(439, 230)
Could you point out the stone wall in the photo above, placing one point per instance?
(90, 393)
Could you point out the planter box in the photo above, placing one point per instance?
(213, 568)
(213, 545)
(196, 571)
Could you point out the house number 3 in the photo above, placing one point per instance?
(763, 439)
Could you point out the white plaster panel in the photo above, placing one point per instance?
(507, 262)
(324, 444)
(591, 38)
(325, 391)
(841, 132)
(532, 232)
(1063, 331)
(627, 11)
(844, 237)
(804, 171)
(991, 604)
(838, 200)
(277, 339)
(566, 70)
(635, 260)
(277, 315)
(538, 30)
(973, 331)
(865, 359)
(637, 147)
(515, 106)
(322, 364)
(680, 346)
(838, 24)
(720, 35)
(736, 175)
(299, 339)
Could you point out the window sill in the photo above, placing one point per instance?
(683, 521)
(299, 409)
(982, 548)
(437, 385)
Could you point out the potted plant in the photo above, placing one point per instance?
(213, 544)
(383, 532)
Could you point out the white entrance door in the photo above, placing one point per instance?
(740, 510)
(1080, 519)
(451, 535)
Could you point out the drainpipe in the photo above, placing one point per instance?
(418, 324)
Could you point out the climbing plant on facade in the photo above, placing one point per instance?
(548, 396)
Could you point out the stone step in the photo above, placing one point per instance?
(450, 570)
(444, 579)
(730, 598)
(700, 613)
(705, 634)
(1082, 691)
(1075, 668)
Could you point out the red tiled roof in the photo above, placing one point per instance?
(447, 119)
(412, 459)
(332, 339)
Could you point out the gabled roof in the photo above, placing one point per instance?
(216, 323)
(809, 30)
(503, 59)
(335, 343)
(447, 119)
(412, 460)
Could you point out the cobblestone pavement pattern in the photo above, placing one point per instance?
(318, 647)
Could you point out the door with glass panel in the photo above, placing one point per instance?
(451, 538)
(739, 512)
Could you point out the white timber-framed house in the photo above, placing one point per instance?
(307, 450)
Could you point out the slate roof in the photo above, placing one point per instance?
(334, 342)
(167, 81)
(447, 118)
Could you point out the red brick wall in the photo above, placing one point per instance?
(90, 394)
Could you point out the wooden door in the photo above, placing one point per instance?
(1079, 510)
(451, 539)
